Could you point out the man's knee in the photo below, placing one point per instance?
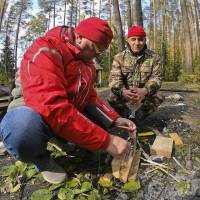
(22, 132)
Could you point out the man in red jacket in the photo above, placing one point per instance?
(54, 95)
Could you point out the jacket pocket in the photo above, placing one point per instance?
(145, 74)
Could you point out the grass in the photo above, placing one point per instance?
(180, 85)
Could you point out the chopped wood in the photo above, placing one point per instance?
(179, 90)
(125, 166)
(157, 132)
(135, 166)
(116, 164)
(162, 146)
(176, 138)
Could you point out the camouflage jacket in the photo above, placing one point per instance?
(129, 71)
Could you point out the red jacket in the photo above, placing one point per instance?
(59, 87)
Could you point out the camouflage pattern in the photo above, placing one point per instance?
(130, 71)
(17, 96)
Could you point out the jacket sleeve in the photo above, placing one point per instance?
(115, 78)
(155, 80)
(99, 112)
(43, 84)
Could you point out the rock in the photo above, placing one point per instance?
(3, 151)
(122, 196)
(197, 193)
(195, 186)
(159, 159)
(175, 97)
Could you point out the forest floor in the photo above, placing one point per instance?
(180, 114)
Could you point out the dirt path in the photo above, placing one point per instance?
(181, 116)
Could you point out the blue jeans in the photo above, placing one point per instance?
(25, 136)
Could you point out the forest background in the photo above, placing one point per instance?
(172, 30)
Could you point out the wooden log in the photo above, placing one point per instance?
(162, 146)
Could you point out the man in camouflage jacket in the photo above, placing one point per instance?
(135, 78)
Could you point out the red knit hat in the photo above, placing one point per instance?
(96, 30)
(136, 31)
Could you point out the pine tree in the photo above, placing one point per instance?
(7, 60)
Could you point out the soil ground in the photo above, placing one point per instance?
(174, 115)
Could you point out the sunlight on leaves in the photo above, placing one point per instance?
(131, 186)
(41, 194)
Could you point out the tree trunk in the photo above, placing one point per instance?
(163, 4)
(49, 19)
(71, 13)
(197, 32)
(2, 13)
(17, 32)
(93, 14)
(118, 24)
(129, 18)
(76, 13)
(187, 38)
(65, 11)
(54, 13)
(99, 8)
(138, 10)
(154, 25)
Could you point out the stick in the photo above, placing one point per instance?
(124, 127)
(163, 170)
(179, 164)
(151, 170)
(189, 158)
(154, 163)
(169, 174)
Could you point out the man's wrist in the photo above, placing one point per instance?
(145, 91)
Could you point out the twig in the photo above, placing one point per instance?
(125, 128)
(154, 163)
(179, 164)
(151, 170)
(168, 174)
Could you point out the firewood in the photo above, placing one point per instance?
(162, 146)
(135, 166)
(176, 138)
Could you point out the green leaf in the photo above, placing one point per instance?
(15, 188)
(30, 174)
(10, 171)
(80, 197)
(131, 186)
(86, 186)
(182, 186)
(94, 195)
(21, 166)
(105, 182)
(55, 186)
(77, 191)
(41, 194)
(73, 183)
(65, 194)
